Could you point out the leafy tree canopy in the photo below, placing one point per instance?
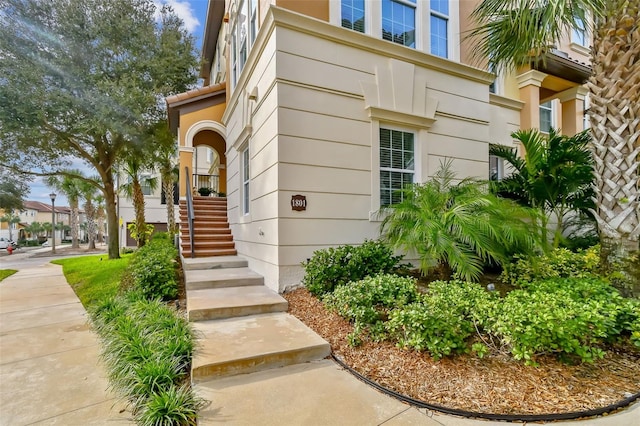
(86, 79)
(12, 190)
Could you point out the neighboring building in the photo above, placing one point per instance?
(344, 102)
(35, 211)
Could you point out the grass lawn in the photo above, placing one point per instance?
(93, 278)
(4, 273)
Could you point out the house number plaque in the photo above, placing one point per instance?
(298, 202)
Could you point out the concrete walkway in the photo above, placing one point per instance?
(49, 358)
(50, 375)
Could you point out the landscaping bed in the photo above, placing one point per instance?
(496, 383)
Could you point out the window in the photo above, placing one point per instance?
(234, 66)
(546, 117)
(245, 181)
(253, 20)
(579, 33)
(352, 13)
(241, 27)
(439, 27)
(145, 183)
(496, 168)
(396, 164)
(399, 21)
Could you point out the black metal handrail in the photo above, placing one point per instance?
(191, 215)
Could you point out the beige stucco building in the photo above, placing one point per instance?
(343, 102)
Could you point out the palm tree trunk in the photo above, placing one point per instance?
(168, 193)
(138, 206)
(615, 126)
(73, 223)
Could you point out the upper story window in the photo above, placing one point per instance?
(579, 34)
(352, 14)
(546, 117)
(243, 34)
(397, 164)
(440, 28)
(399, 21)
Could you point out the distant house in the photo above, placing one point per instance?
(321, 110)
(36, 211)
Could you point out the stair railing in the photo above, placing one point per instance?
(190, 212)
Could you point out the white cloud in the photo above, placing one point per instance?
(184, 10)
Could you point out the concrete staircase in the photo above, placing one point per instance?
(242, 326)
(211, 233)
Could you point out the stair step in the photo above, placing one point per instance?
(216, 303)
(259, 342)
(204, 237)
(215, 245)
(220, 278)
(218, 262)
(212, 252)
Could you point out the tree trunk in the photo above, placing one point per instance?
(91, 223)
(138, 206)
(615, 126)
(112, 219)
(73, 222)
(168, 196)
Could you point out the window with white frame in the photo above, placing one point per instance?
(397, 164)
(253, 20)
(242, 35)
(352, 14)
(579, 33)
(546, 116)
(440, 28)
(399, 21)
(496, 168)
(245, 180)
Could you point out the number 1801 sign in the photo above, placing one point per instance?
(298, 202)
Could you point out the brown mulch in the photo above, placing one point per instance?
(495, 384)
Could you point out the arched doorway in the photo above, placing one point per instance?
(209, 161)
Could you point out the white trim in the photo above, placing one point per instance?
(204, 125)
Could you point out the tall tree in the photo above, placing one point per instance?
(70, 185)
(85, 79)
(512, 33)
(89, 194)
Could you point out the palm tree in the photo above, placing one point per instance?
(34, 229)
(458, 227)
(11, 220)
(555, 175)
(512, 33)
(169, 174)
(89, 193)
(134, 167)
(70, 186)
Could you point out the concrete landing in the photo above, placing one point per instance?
(230, 302)
(248, 344)
(219, 278)
(215, 262)
(317, 393)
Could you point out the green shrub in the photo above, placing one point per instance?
(569, 317)
(175, 406)
(443, 320)
(367, 302)
(332, 267)
(558, 263)
(153, 270)
(147, 349)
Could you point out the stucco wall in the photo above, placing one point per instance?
(306, 103)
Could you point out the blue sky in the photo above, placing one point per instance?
(193, 13)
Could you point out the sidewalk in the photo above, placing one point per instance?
(49, 358)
